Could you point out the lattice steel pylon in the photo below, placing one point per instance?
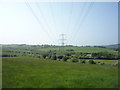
(62, 39)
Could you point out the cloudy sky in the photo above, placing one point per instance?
(83, 23)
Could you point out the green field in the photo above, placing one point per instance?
(0, 72)
(28, 72)
(37, 48)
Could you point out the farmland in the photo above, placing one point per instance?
(27, 72)
(59, 44)
(35, 66)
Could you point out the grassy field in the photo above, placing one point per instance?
(0, 67)
(82, 49)
(45, 49)
(28, 72)
(0, 72)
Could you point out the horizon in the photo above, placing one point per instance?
(59, 45)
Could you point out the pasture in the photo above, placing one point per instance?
(59, 49)
(0, 72)
(29, 72)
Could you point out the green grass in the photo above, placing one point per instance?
(27, 72)
(39, 49)
(83, 49)
(0, 72)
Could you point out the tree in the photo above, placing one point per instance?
(54, 57)
(91, 62)
(67, 54)
(59, 57)
(74, 60)
(65, 58)
(49, 56)
(45, 55)
(104, 55)
(82, 61)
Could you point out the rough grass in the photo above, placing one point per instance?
(27, 72)
(59, 50)
(0, 73)
(83, 49)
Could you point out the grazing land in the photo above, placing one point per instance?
(28, 72)
(0, 72)
(35, 66)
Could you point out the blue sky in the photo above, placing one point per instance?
(84, 23)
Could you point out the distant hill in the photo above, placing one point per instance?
(114, 46)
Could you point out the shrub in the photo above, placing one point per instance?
(38, 56)
(98, 61)
(60, 57)
(75, 60)
(102, 63)
(44, 55)
(8, 55)
(91, 62)
(54, 57)
(49, 56)
(65, 58)
(82, 61)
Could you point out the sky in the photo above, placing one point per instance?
(37, 23)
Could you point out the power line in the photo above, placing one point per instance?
(51, 7)
(86, 14)
(39, 8)
(69, 18)
(79, 16)
(36, 17)
(83, 19)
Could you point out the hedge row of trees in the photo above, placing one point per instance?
(53, 57)
(73, 59)
(79, 55)
(104, 55)
(5, 55)
(99, 55)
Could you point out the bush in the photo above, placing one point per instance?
(102, 63)
(8, 55)
(49, 56)
(67, 54)
(44, 55)
(60, 57)
(74, 60)
(54, 57)
(91, 62)
(98, 61)
(82, 61)
(38, 57)
(103, 55)
(65, 58)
